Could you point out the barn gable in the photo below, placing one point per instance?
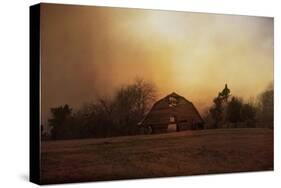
(172, 109)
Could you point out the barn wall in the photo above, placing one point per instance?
(161, 128)
(185, 113)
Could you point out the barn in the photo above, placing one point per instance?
(172, 113)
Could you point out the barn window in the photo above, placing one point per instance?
(172, 119)
(172, 101)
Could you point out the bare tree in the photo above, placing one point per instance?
(133, 102)
(106, 117)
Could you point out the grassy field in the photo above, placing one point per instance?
(182, 153)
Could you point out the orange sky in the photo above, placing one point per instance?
(88, 52)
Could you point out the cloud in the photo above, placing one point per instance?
(90, 51)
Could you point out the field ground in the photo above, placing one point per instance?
(146, 156)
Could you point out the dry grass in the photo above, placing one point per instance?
(174, 154)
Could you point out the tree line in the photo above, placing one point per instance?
(118, 116)
(121, 114)
(231, 111)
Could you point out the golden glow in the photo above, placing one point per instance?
(88, 52)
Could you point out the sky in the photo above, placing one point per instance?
(88, 52)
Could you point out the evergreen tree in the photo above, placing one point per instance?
(219, 105)
(59, 116)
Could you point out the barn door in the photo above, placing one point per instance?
(172, 127)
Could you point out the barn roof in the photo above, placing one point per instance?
(172, 105)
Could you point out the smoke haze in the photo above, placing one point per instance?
(88, 52)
